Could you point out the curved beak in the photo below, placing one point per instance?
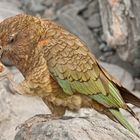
(1, 51)
(4, 59)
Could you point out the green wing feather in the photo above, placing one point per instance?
(113, 99)
(79, 73)
(76, 70)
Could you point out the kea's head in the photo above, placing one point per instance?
(18, 37)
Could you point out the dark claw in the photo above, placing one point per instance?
(70, 117)
(35, 119)
(23, 125)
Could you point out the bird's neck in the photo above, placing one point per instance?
(30, 64)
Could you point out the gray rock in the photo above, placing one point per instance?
(120, 74)
(104, 48)
(94, 21)
(127, 41)
(97, 127)
(137, 63)
(49, 13)
(92, 8)
(48, 3)
(134, 57)
(8, 9)
(33, 7)
(137, 84)
(16, 3)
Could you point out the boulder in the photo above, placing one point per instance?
(97, 127)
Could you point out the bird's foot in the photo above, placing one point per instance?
(37, 119)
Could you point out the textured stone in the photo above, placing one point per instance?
(121, 29)
(94, 21)
(33, 6)
(97, 127)
(48, 3)
(137, 84)
(119, 73)
(92, 8)
(8, 9)
(49, 13)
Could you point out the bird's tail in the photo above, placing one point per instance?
(117, 98)
(113, 113)
(113, 102)
(121, 119)
(128, 97)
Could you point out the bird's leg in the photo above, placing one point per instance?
(58, 111)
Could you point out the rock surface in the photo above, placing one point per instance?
(94, 21)
(92, 128)
(120, 74)
(8, 9)
(120, 26)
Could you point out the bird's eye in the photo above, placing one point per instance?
(0, 48)
(12, 38)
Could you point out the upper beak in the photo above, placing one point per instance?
(1, 51)
(3, 58)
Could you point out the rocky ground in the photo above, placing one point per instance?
(82, 18)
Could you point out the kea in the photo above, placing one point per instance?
(59, 68)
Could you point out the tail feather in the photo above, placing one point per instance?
(133, 113)
(128, 96)
(113, 113)
(117, 98)
(122, 120)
